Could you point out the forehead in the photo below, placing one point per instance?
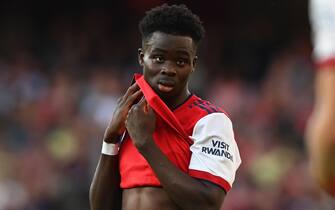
(168, 42)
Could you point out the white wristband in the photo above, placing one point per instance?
(109, 149)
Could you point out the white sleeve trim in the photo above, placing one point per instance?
(214, 149)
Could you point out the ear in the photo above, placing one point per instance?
(140, 56)
(194, 62)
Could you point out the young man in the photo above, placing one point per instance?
(178, 151)
(320, 131)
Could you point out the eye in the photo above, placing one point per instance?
(158, 59)
(181, 62)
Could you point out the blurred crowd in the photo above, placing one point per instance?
(60, 79)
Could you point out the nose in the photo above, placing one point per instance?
(168, 70)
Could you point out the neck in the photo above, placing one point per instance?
(176, 101)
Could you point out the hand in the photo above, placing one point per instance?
(117, 125)
(140, 123)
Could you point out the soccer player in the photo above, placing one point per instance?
(320, 131)
(165, 148)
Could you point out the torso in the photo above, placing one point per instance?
(147, 198)
(137, 195)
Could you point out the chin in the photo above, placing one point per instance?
(165, 95)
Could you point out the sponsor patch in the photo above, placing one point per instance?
(218, 148)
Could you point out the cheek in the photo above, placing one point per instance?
(149, 72)
(146, 66)
(149, 68)
(184, 75)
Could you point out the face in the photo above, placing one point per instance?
(168, 61)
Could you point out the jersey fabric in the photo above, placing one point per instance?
(322, 18)
(196, 137)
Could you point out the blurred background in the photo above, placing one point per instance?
(63, 65)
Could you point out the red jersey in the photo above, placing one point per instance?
(196, 137)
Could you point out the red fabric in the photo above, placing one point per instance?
(135, 170)
(326, 63)
(160, 107)
(332, 188)
(171, 135)
(210, 177)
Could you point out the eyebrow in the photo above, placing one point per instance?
(179, 51)
(183, 52)
(158, 50)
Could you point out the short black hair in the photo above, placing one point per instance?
(174, 19)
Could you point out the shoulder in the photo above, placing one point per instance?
(211, 116)
(213, 126)
(205, 106)
(194, 112)
(215, 154)
(214, 120)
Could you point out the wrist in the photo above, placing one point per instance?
(143, 146)
(110, 149)
(113, 138)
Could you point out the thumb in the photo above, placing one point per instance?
(149, 109)
(143, 104)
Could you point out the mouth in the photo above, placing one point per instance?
(165, 85)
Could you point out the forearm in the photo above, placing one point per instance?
(187, 192)
(105, 192)
(321, 132)
(322, 153)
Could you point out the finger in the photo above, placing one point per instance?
(134, 97)
(142, 101)
(119, 100)
(143, 104)
(133, 88)
(128, 115)
(149, 108)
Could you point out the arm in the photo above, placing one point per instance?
(105, 192)
(321, 131)
(186, 191)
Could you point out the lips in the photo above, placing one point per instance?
(166, 85)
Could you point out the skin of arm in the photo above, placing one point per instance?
(320, 131)
(186, 191)
(105, 192)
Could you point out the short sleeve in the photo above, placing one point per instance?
(322, 18)
(215, 155)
